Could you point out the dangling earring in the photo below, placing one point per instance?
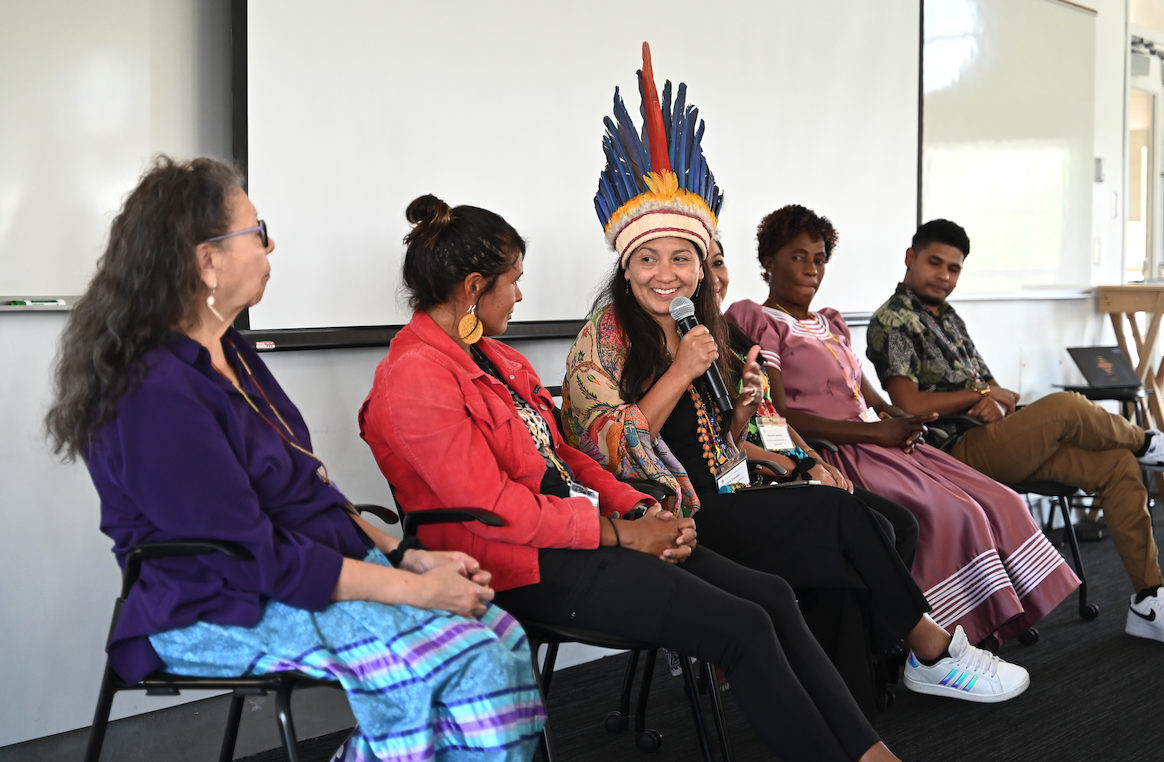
(470, 328)
(210, 304)
(697, 287)
(627, 281)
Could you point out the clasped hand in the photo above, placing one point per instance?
(904, 431)
(659, 533)
(452, 580)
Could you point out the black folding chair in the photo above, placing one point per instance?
(282, 684)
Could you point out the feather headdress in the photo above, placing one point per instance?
(656, 183)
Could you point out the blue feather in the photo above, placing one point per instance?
(631, 141)
(602, 217)
(644, 140)
(677, 129)
(625, 166)
(618, 180)
(666, 104)
(700, 164)
(612, 173)
(607, 193)
(692, 148)
(689, 145)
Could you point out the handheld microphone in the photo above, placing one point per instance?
(683, 311)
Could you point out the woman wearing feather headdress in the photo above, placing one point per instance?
(448, 400)
(634, 399)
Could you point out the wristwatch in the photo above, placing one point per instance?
(981, 387)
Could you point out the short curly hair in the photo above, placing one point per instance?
(781, 227)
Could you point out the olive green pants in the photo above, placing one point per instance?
(1064, 437)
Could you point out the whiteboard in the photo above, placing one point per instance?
(1008, 147)
(75, 134)
(358, 106)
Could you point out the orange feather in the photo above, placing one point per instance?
(656, 134)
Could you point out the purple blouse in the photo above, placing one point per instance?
(186, 457)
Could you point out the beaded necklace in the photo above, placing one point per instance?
(846, 372)
(322, 470)
(715, 450)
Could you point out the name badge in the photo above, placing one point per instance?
(869, 415)
(774, 433)
(735, 472)
(579, 490)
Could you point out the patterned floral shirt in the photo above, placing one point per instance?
(905, 339)
(600, 423)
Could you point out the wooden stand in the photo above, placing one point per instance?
(1121, 302)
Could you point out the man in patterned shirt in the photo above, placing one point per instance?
(926, 361)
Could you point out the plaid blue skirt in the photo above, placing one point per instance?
(421, 683)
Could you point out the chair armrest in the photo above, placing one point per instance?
(387, 515)
(754, 464)
(416, 519)
(658, 491)
(821, 444)
(959, 418)
(172, 549)
(968, 420)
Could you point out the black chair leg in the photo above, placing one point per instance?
(1086, 610)
(617, 721)
(696, 710)
(721, 729)
(548, 669)
(233, 717)
(286, 724)
(628, 683)
(545, 744)
(645, 692)
(101, 715)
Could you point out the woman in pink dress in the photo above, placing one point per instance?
(981, 559)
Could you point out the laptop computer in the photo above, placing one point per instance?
(1105, 367)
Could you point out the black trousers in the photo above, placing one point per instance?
(897, 522)
(856, 594)
(744, 621)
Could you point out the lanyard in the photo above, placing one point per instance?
(849, 372)
(538, 429)
(322, 470)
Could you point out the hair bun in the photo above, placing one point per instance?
(429, 210)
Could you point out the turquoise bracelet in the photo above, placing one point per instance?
(795, 453)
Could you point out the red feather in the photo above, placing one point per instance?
(656, 134)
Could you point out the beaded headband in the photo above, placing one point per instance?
(657, 184)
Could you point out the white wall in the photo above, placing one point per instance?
(1107, 226)
(57, 577)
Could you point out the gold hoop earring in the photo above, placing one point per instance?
(470, 328)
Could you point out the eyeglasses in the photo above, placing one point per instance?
(261, 230)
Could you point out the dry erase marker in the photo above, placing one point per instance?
(37, 303)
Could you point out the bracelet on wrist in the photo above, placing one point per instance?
(396, 556)
(617, 539)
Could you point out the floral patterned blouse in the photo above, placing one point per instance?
(600, 423)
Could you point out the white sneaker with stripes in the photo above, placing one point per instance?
(968, 673)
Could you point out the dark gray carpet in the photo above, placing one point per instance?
(1095, 695)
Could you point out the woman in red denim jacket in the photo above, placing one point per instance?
(455, 419)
